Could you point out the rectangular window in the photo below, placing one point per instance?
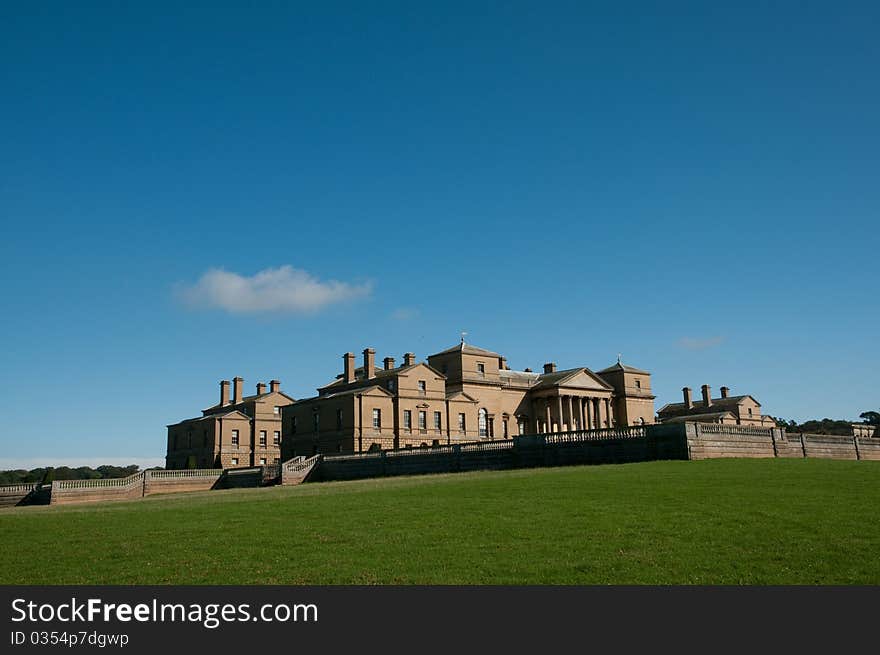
(504, 426)
(481, 369)
(638, 384)
(235, 438)
(438, 421)
(461, 424)
(316, 422)
(422, 388)
(276, 437)
(262, 461)
(235, 461)
(277, 409)
(423, 420)
(338, 419)
(521, 426)
(407, 419)
(263, 438)
(293, 425)
(377, 419)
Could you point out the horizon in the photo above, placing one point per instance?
(192, 195)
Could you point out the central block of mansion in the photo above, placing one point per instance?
(464, 393)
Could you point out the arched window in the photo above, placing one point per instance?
(483, 422)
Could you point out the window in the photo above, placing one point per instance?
(293, 425)
(407, 419)
(262, 461)
(276, 437)
(235, 461)
(377, 419)
(521, 426)
(504, 427)
(277, 409)
(483, 423)
(235, 439)
(461, 424)
(422, 388)
(750, 412)
(481, 369)
(638, 384)
(316, 422)
(438, 421)
(423, 420)
(445, 369)
(391, 385)
(338, 419)
(263, 438)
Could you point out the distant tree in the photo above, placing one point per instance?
(48, 476)
(870, 417)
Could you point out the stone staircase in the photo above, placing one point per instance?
(298, 469)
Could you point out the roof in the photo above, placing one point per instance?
(614, 368)
(720, 404)
(559, 377)
(247, 399)
(698, 417)
(210, 417)
(380, 373)
(466, 349)
(347, 392)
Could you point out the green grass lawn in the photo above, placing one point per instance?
(710, 522)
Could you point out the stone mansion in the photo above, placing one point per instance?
(463, 393)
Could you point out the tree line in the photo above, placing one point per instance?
(828, 425)
(47, 474)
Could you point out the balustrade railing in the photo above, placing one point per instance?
(17, 488)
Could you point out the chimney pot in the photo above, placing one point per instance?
(725, 392)
(707, 395)
(688, 400)
(550, 367)
(369, 363)
(389, 363)
(274, 386)
(527, 370)
(409, 359)
(348, 358)
(224, 392)
(237, 389)
(261, 388)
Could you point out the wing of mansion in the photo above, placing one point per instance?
(461, 394)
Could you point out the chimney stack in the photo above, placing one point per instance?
(237, 389)
(348, 358)
(261, 388)
(502, 363)
(224, 392)
(550, 367)
(527, 370)
(688, 401)
(725, 392)
(707, 395)
(389, 363)
(369, 363)
(409, 359)
(274, 385)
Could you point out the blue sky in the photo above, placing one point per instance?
(689, 185)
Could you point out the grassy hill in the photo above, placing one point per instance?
(708, 522)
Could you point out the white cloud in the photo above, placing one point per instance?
(692, 343)
(283, 289)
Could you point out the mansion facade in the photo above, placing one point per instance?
(464, 393)
(726, 410)
(237, 432)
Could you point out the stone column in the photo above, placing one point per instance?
(570, 414)
(548, 426)
(559, 407)
(608, 411)
(589, 410)
(597, 415)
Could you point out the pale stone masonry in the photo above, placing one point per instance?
(243, 431)
(726, 410)
(464, 393)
